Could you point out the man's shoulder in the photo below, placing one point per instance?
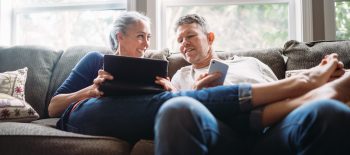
(185, 69)
(236, 59)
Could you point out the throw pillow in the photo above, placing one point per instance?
(16, 110)
(12, 83)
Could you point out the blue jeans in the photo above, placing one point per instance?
(132, 117)
(184, 126)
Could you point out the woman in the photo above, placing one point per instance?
(130, 36)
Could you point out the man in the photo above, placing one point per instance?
(196, 46)
(185, 126)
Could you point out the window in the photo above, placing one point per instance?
(236, 24)
(342, 20)
(63, 23)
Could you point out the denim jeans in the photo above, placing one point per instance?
(132, 117)
(184, 126)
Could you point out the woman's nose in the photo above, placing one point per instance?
(146, 42)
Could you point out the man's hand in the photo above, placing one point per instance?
(165, 83)
(207, 80)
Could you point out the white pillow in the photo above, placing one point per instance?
(13, 82)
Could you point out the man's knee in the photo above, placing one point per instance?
(183, 112)
(176, 108)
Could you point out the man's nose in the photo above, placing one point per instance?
(185, 43)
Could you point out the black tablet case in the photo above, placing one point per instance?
(133, 76)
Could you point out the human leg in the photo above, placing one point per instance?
(132, 117)
(299, 84)
(184, 126)
(319, 127)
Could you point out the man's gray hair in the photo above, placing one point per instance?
(192, 18)
(121, 24)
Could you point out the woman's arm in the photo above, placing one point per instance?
(61, 101)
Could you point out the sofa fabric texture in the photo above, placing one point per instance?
(40, 62)
(48, 68)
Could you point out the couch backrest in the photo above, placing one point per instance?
(303, 55)
(40, 62)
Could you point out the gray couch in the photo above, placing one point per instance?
(48, 68)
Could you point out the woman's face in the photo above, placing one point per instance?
(136, 40)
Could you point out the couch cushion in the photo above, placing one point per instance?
(40, 62)
(143, 147)
(271, 57)
(33, 139)
(303, 55)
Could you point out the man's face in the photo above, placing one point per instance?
(194, 43)
(136, 40)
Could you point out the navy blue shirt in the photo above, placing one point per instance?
(83, 74)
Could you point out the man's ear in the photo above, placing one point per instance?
(211, 37)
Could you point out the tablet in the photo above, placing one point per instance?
(133, 76)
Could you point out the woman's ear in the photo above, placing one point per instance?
(211, 37)
(120, 36)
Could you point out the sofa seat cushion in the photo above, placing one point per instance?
(143, 147)
(304, 55)
(29, 138)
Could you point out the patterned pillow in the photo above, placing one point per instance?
(12, 83)
(15, 110)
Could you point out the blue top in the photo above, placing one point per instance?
(83, 74)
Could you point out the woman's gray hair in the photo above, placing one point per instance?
(192, 18)
(121, 24)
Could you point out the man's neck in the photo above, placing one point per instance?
(205, 62)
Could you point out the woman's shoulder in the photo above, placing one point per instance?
(94, 55)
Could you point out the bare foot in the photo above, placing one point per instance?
(338, 89)
(329, 68)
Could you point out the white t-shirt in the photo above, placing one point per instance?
(241, 70)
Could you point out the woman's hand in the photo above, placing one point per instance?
(93, 90)
(165, 83)
(207, 80)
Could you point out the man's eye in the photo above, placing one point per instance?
(140, 36)
(190, 36)
(179, 41)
